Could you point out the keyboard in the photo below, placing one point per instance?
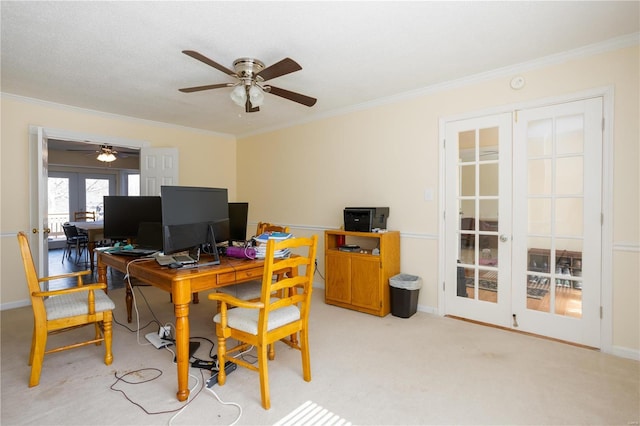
(134, 252)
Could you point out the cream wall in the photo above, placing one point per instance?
(388, 155)
(198, 150)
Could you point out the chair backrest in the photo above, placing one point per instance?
(70, 231)
(291, 290)
(84, 216)
(31, 275)
(270, 227)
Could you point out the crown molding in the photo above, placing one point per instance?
(72, 108)
(558, 58)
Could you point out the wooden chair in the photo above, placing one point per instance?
(270, 227)
(84, 216)
(271, 319)
(61, 310)
(251, 290)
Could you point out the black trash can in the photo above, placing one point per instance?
(405, 290)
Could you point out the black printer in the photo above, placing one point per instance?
(365, 219)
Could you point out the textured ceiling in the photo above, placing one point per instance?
(125, 57)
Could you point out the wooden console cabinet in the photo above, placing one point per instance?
(359, 280)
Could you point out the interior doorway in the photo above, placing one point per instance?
(523, 223)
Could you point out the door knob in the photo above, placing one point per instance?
(504, 238)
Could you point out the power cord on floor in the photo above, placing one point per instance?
(159, 373)
(228, 403)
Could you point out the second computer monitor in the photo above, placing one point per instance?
(238, 215)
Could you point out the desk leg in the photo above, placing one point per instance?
(91, 245)
(181, 308)
(128, 300)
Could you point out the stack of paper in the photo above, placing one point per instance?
(261, 247)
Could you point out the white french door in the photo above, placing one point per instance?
(523, 220)
(557, 221)
(478, 219)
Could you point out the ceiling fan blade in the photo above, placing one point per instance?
(202, 58)
(285, 66)
(293, 96)
(207, 87)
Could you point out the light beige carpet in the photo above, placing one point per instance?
(368, 370)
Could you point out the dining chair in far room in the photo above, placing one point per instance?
(56, 311)
(272, 318)
(75, 240)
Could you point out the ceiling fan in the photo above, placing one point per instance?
(106, 154)
(249, 89)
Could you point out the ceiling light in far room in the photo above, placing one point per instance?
(239, 95)
(107, 154)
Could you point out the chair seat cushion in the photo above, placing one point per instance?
(246, 319)
(244, 291)
(67, 305)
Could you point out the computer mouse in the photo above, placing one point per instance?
(175, 265)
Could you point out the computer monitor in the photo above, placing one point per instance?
(123, 215)
(238, 214)
(188, 237)
(193, 216)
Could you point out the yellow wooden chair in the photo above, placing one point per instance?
(271, 319)
(61, 310)
(251, 290)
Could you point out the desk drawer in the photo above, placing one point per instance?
(226, 278)
(249, 274)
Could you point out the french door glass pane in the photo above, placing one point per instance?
(539, 137)
(96, 190)
(133, 184)
(569, 175)
(540, 174)
(539, 214)
(58, 204)
(570, 135)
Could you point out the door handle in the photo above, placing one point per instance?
(45, 230)
(504, 238)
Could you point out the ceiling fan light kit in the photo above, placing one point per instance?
(250, 74)
(107, 154)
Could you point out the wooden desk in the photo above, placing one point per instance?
(95, 231)
(181, 283)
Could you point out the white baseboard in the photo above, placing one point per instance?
(633, 354)
(14, 305)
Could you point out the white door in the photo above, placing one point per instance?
(557, 221)
(478, 219)
(158, 167)
(38, 190)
